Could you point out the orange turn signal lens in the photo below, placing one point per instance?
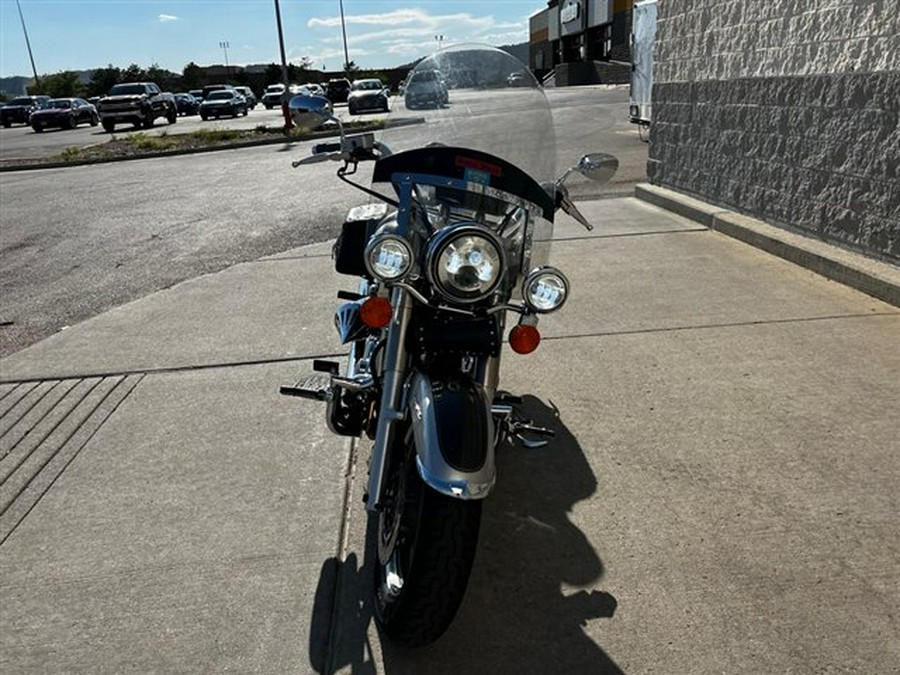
(376, 312)
(524, 339)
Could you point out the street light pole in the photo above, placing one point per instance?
(288, 122)
(440, 40)
(224, 46)
(37, 80)
(344, 32)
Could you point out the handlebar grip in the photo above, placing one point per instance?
(320, 148)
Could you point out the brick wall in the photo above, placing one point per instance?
(785, 111)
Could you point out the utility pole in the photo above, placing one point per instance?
(37, 80)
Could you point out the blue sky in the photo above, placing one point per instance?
(83, 34)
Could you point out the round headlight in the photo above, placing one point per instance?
(465, 263)
(388, 258)
(545, 290)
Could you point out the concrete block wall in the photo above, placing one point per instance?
(785, 111)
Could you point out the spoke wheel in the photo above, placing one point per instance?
(426, 546)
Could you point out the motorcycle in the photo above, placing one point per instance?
(443, 263)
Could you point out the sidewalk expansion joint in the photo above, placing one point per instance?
(625, 235)
(43, 429)
(173, 369)
(712, 326)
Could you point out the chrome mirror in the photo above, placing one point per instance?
(310, 112)
(598, 166)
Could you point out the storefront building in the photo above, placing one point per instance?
(576, 37)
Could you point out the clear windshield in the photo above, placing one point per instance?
(477, 97)
(481, 99)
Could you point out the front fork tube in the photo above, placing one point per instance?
(391, 407)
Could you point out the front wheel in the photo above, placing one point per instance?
(426, 546)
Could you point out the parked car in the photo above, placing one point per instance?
(519, 79)
(65, 113)
(369, 94)
(19, 109)
(426, 88)
(223, 102)
(272, 96)
(316, 89)
(337, 90)
(197, 94)
(208, 89)
(186, 104)
(248, 95)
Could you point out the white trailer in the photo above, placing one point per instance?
(643, 34)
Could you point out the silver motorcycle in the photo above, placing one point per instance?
(453, 269)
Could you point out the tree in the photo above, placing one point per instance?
(60, 85)
(166, 79)
(103, 79)
(134, 73)
(273, 73)
(192, 76)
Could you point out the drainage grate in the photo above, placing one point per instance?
(43, 427)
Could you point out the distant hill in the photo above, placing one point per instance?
(520, 51)
(14, 86)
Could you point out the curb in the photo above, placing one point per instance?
(330, 133)
(153, 154)
(878, 279)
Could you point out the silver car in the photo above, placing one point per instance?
(369, 94)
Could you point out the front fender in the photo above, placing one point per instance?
(454, 434)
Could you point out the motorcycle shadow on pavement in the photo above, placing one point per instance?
(532, 589)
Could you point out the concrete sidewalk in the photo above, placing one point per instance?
(721, 496)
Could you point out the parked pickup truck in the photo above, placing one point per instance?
(137, 103)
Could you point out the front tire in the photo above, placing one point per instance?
(426, 547)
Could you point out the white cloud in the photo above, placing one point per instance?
(505, 38)
(167, 18)
(408, 33)
(407, 23)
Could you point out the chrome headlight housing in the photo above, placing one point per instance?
(388, 257)
(465, 263)
(545, 290)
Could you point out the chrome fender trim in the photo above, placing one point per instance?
(458, 459)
